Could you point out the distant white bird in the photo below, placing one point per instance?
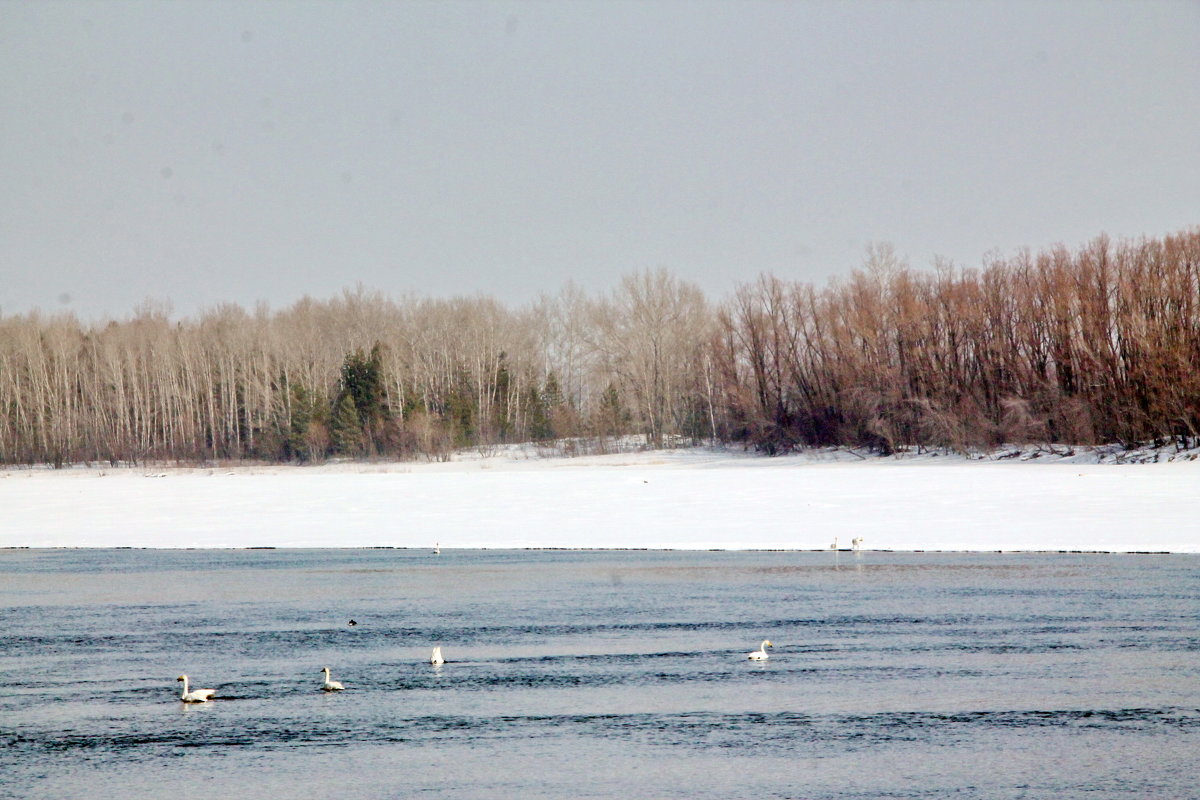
(328, 685)
(856, 543)
(761, 653)
(437, 548)
(196, 695)
(834, 545)
(436, 657)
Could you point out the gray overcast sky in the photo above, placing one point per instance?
(204, 152)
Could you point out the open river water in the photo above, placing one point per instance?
(598, 675)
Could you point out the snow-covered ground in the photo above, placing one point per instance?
(687, 499)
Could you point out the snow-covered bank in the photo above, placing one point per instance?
(688, 499)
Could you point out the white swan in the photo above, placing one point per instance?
(196, 695)
(856, 543)
(761, 653)
(435, 658)
(328, 685)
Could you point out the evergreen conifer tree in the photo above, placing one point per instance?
(345, 429)
(362, 384)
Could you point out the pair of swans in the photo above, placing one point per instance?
(204, 695)
(435, 658)
(331, 685)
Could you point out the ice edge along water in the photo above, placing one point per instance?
(678, 499)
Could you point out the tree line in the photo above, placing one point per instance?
(1096, 345)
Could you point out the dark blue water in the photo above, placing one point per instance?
(598, 675)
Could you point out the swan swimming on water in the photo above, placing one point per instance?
(761, 653)
(196, 695)
(435, 658)
(328, 685)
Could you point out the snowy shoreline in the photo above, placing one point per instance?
(1078, 500)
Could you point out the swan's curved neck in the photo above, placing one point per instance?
(185, 688)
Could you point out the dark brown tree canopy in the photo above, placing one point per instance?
(1098, 345)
